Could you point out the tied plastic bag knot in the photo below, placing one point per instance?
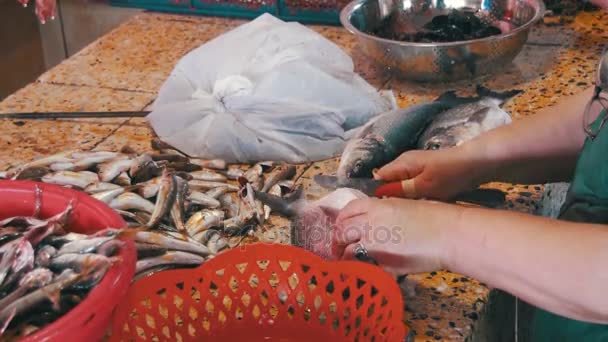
(223, 89)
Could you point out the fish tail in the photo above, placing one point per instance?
(504, 96)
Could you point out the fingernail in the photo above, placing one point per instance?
(375, 173)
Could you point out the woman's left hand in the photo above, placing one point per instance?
(404, 236)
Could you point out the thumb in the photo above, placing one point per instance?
(404, 167)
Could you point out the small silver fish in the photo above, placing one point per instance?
(206, 185)
(99, 156)
(217, 243)
(254, 173)
(109, 195)
(216, 192)
(41, 162)
(240, 222)
(78, 262)
(203, 199)
(177, 209)
(83, 246)
(111, 169)
(171, 243)
(101, 187)
(208, 175)
(132, 201)
(149, 189)
(229, 204)
(254, 204)
(234, 172)
(165, 198)
(280, 172)
(80, 179)
(44, 256)
(203, 220)
(123, 179)
(170, 258)
(275, 190)
(216, 164)
(139, 163)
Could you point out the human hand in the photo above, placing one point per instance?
(439, 174)
(600, 3)
(403, 236)
(45, 9)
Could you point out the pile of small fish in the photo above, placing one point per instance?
(182, 209)
(46, 271)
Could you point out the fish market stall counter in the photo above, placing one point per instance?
(123, 71)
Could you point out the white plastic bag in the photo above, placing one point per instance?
(267, 90)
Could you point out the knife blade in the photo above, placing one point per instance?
(73, 115)
(491, 198)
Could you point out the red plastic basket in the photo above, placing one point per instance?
(264, 292)
(89, 320)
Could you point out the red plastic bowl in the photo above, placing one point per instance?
(89, 320)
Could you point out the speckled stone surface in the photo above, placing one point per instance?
(124, 69)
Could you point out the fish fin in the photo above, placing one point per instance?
(503, 96)
(449, 97)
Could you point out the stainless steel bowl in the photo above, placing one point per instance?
(441, 61)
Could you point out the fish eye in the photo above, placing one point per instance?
(433, 146)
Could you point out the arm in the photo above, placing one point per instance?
(556, 265)
(540, 148)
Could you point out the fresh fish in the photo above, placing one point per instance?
(80, 179)
(146, 250)
(206, 185)
(183, 166)
(164, 199)
(216, 164)
(111, 169)
(203, 220)
(217, 192)
(280, 172)
(44, 255)
(42, 162)
(170, 243)
(110, 248)
(253, 203)
(253, 175)
(149, 188)
(59, 241)
(170, 157)
(228, 203)
(30, 301)
(24, 258)
(241, 222)
(203, 199)
(205, 235)
(463, 123)
(208, 175)
(123, 179)
(8, 234)
(132, 201)
(84, 161)
(108, 195)
(275, 191)
(8, 258)
(101, 187)
(234, 172)
(32, 173)
(65, 166)
(99, 156)
(144, 168)
(79, 262)
(217, 243)
(177, 209)
(170, 258)
(83, 246)
(32, 280)
(138, 163)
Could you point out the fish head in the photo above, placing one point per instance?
(360, 157)
(439, 142)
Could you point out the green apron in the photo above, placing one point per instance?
(587, 201)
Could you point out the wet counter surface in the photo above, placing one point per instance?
(124, 69)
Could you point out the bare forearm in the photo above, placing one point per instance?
(556, 265)
(537, 149)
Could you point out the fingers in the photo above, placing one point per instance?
(348, 232)
(354, 208)
(45, 9)
(404, 167)
(405, 189)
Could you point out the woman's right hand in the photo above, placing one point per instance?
(438, 174)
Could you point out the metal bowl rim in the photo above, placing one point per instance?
(347, 11)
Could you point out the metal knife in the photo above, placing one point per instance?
(483, 197)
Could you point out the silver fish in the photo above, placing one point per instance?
(217, 243)
(254, 173)
(234, 172)
(132, 201)
(205, 235)
(146, 250)
(99, 156)
(123, 179)
(208, 175)
(216, 192)
(44, 256)
(241, 222)
(280, 172)
(111, 169)
(203, 199)
(41, 162)
(177, 209)
(29, 301)
(254, 204)
(100, 187)
(465, 122)
(79, 262)
(80, 179)
(275, 190)
(228, 203)
(139, 163)
(8, 257)
(203, 220)
(32, 173)
(165, 198)
(32, 280)
(110, 248)
(108, 195)
(216, 164)
(171, 243)
(170, 258)
(83, 246)
(149, 189)
(206, 185)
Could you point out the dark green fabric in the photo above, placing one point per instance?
(587, 201)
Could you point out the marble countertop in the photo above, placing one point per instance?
(124, 69)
